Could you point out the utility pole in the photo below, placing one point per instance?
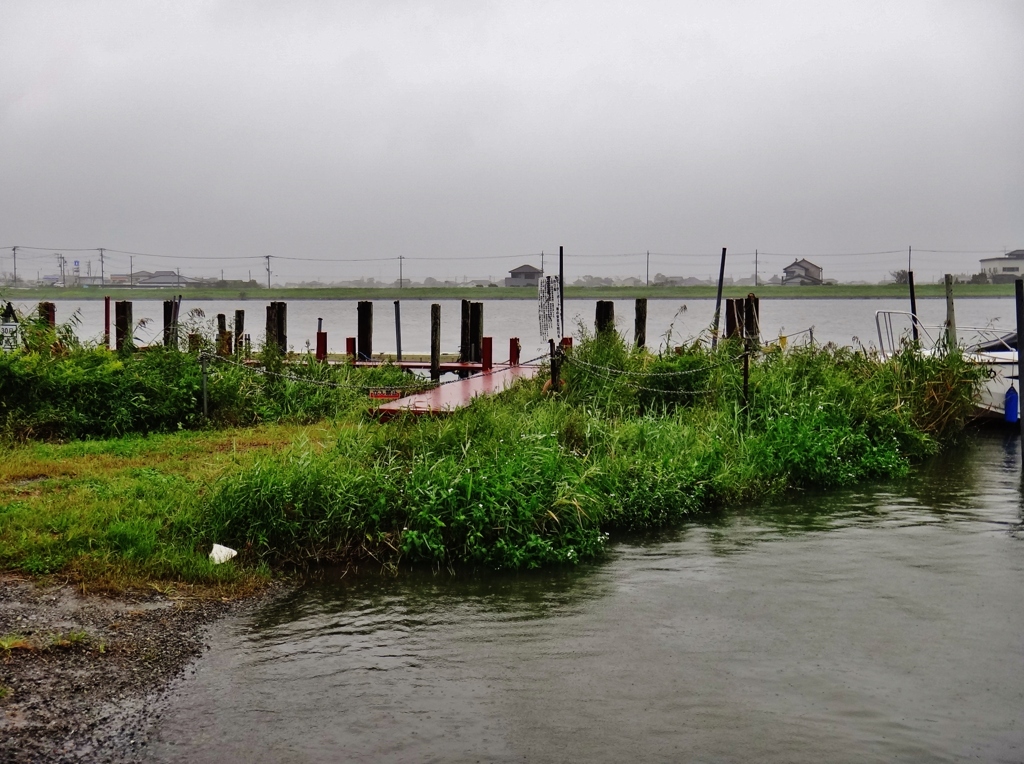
(909, 253)
(178, 280)
(60, 264)
(755, 269)
(542, 262)
(401, 258)
(648, 267)
(268, 270)
(131, 270)
(14, 251)
(102, 281)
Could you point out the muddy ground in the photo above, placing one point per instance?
(81, 677)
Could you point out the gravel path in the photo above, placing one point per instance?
(81, 678)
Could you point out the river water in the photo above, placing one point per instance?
(841, 321)
(878, 624)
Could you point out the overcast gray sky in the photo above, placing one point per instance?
(496, 130)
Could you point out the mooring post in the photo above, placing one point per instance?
(398, 329)
(239, 330)
(913, 306)
(48, 313)
(206, 410)
(950, 314)
(282, 327)
(514, 349)
(476, 331)
(123, 324)
(175, 314)
(752, 320)
(1019, 299)
(435, 341)
(733, 318)
(561, 291)
(223, 335)
(106, 322)
(718, 302)
(464, 352)
(321, 341)
(168, 319)
(487, 353)
(364, 330)
(604, 317)
(640, 323)
(271, 325)
(350, 349)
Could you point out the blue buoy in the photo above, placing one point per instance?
(1011, 405)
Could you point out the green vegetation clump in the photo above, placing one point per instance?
(632, 441)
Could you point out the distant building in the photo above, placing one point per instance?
(166, 279)
(524, 276)
(1007, 268)
(801, 272)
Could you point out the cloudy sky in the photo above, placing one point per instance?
(468, 137)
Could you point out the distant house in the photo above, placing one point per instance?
(801, 272)
(166, 279)
(524, 276)
(1006, 269)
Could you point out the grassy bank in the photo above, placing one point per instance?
(839, 291)
(633, 441)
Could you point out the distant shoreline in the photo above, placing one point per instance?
(840, 291)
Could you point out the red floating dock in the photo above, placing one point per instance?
(456, 395)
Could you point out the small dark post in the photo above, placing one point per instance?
(175, 313)
(435, 341)
(168, 320)
(321, 341)
(514, 349)
(733, 318)
(398, 328)
(271, 325)
(282, 327)
(106, 322)
(913, 305)
(48, 313)
(350, 349)
(604, 316)
(487, 353)
(206, 409)
(239, 330)
(123, 324)
(223, 336)
(640, 323)
(464, 351)
(1019, 295)
(718, 302)
(476, 330)
(364, 330)
(752, 320)
(555, 366)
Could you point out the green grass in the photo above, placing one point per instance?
(634, 441)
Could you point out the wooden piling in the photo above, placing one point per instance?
(487, 353)
(476, 331)
(752, 320)
(48, 313)
(239, 330)
(321, 346)
(106, 322)
(223, 336)
(123, 325)
(950, 314)
(514, 350)
(168, 320)
(604, 318)
(1018, 289)
(398, 329)
(364, 330)
(640, 323)
(464, 351)
(350, 349)
(435, 341)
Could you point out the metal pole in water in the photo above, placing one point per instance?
(913, 305)
(1019, 295)
(718, 302)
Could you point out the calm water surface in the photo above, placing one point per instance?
(881, 624)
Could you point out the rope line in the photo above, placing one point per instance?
(622, 372)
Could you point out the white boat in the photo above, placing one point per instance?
(994, 348)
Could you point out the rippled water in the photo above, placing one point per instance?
(878, 624)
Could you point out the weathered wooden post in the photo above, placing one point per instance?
(487, 353)
(398, 329)
(123, 324)
(223, 336)
(321, 341)
(48, 314)
(282, 327)
(168, 320)
(514, 349)
(106, 322)
(364, 330)
(733, 318)
(640, 322)
(476, 331)
(950, 314)
(718, 302)
(350, 349)
(752, 320)
(239, 330)
(913, 306)
(271, 325)
(464, 352)
(175, 314)
(435, 341)
(604, 318)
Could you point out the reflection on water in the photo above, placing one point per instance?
(874, 624)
